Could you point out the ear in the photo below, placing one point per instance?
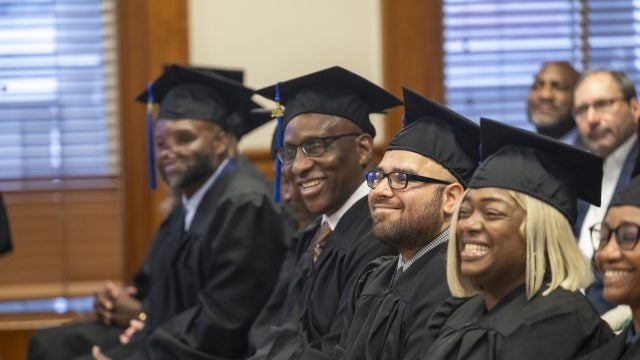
(220, 143)
(364, 146)
(635, 110)
(451, 196)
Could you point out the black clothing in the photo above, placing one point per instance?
(312, 317)
(5, 233)
(617, 349)
(211, 281)
(390, 320)
(562, 325)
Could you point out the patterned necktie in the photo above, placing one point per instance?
(320, 240)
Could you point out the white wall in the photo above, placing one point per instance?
(275, 40)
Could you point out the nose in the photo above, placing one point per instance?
(610, 251)
(546, 92)
(301, 163)
(382, 189)
(470, 224)
(592, 117)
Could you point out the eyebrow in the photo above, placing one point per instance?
(397, 169)
(488, 199)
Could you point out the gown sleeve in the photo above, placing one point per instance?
(243, 256)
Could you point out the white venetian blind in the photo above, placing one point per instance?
(58, 99)
(493, 48)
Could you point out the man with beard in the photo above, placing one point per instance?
(414, 192)
(216, 257)
(551, 99)
(327, 146)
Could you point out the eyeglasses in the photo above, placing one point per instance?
(601, 106)
(311, 147)
(398, 180)
(626, 235)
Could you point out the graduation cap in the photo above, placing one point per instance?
(187, 93)
(438, 133)
(629, 195)
(247, 118)
(332, 91)
(539, 166)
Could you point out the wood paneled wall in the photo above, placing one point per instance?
(151, 33)
(65, 242)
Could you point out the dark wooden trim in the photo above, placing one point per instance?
(150, 33)
(412, 51)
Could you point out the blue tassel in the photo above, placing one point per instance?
(150, 145)
(277, 113)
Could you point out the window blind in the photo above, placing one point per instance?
(494, 48)
(58, 89)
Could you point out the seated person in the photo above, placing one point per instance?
(414, 191)
(618, 257)
(513, 262)
(217, 255)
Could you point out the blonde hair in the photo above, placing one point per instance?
(551, 250)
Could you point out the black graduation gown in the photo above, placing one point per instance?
(616, 349)
(562, 325)
(262, 326)
(312, 317)
(5, 233)
(202, 289)
(390, 319)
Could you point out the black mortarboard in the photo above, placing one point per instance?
(247, 118)
(539, 166)
(190, 93)
(333, 91)
(440, 134)
(186, 93)
(629, 195)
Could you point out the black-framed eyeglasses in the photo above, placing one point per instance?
(627, 235)
(398, 180)
(599, 106)
(311, 147)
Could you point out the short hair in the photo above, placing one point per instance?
(622, 81)
(565, 64)
(551, 252)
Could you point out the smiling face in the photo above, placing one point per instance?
(620, 268)
(491, 244)
(188, 152)
(409, 218)
(327, 181)
(551, 95)
(603, 131)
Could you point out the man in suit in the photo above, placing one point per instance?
(550, 101)
(607, 111)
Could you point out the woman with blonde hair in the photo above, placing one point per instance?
(513, 265)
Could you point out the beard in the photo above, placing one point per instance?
(197, 168)
(414, 231)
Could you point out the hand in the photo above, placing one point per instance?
(135, 325)
(126, 307)
(116, 305)
(97, 354)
